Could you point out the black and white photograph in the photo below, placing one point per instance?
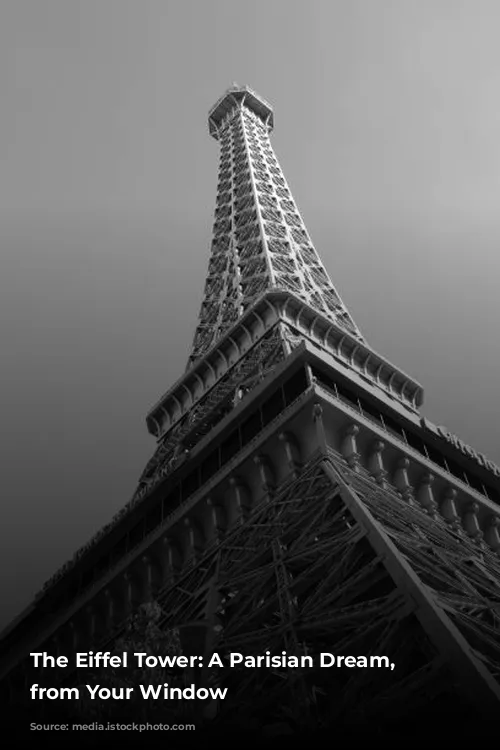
(249, 370)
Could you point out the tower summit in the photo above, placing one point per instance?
(239, 95)
(296, 500)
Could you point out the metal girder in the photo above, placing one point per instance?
(259, 240)
(316, 569)
(334, 563)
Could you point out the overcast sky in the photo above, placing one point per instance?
(387, 126)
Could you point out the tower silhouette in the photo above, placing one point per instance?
(297, 501)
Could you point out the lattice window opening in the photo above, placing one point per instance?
(288, 206)
(246, 216)
(307, 284)
(238, 136)
(319, 276)
(299, 235)
(238, 154)
(320, 269)
(243, 203)
(279, 246)
(256, 156)
(238, 132)
(282, 255)
(263, 187)
(293, 220)
(253, 145)
(222, 226)
(332, 300)
(224, 186)
(241, 170)
(223, 198)
(270, 214)
(252, 248)
(220, 246)
(269, 166)
(282, 192)
(254, 149)
(253, 267)
(225, 173)
(271, 160)
(318, 302)
(245, 189)
(259, 165)
(239, 142)
(222, 212)
(275, 230)
(240, 162)
(253, 286)
(239, 150)
(289, 282)
(278, 180)
(284, 264)
(268, 201)
(242, 177)
(276, 172)
(260, 174)
(248, 232)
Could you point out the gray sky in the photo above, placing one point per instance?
(387, 128)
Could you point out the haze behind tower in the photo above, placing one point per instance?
(387, 127)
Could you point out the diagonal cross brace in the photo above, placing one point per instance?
(476, 680)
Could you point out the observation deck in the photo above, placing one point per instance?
(235, 95)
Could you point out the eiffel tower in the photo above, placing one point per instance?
(297, 501)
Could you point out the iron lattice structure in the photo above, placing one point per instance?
(260, 241)
(296, 500)
(332, 563)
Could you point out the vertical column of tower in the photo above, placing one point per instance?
(295, 264)
(239, 271)
(260, 242)
(219, 287)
